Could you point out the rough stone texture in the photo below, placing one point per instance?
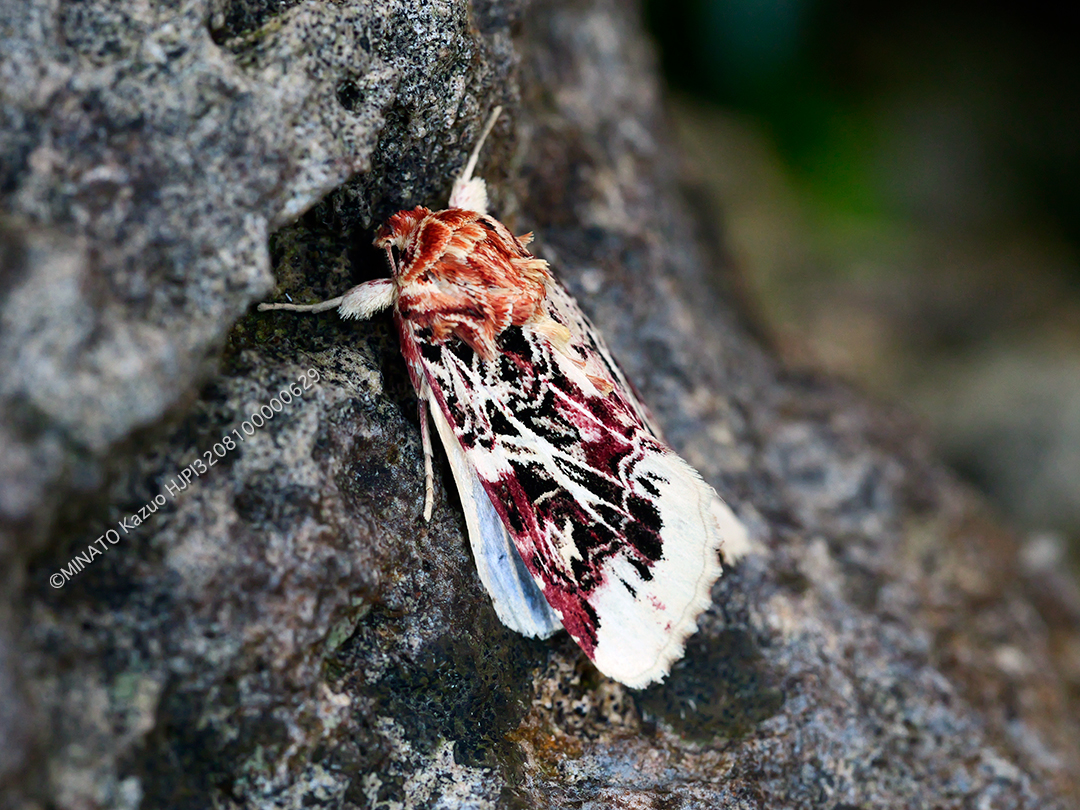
(285, 630)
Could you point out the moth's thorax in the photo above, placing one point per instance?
(463, 274)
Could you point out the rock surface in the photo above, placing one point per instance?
(283, 629)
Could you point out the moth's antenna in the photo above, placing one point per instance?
(470, 193)
(471, 165)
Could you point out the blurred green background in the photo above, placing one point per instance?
(900, 190)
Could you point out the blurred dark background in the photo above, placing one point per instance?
(900, 189)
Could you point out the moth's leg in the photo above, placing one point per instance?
(362, 301)
(425, 440)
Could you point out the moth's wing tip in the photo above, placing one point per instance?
(721, 534)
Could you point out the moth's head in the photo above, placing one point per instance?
(401, 231)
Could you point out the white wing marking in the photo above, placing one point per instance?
(639, 638)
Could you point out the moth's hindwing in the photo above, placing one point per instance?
(515, 596)
(621, 535)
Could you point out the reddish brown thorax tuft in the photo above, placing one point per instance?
(463, 274)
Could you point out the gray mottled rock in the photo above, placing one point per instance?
(282, 628)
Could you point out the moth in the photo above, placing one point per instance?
(578, 514)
